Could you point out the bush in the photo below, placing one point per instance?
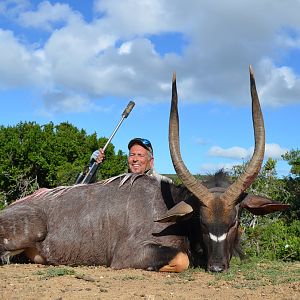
(33, 156)
(273, 240)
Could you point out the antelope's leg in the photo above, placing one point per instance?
(178, 264)
(21, 228)
(34, 256)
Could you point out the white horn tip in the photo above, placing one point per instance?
(174, 77)
(251, 70)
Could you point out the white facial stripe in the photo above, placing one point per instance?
(222, 237)
(218, 239)
(213, 237)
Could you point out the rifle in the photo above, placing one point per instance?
(94, 167)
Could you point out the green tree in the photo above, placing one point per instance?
(274, 236)
(268, 185)
(292, 182)
(274, 240)
(33, 156)
(293, 159)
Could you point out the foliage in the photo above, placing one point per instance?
(293, 159)
(33, 156)
(292, 182)
(268, 185)
(273, 240)
(293, 186)
(274, 236)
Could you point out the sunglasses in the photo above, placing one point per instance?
(145, 142)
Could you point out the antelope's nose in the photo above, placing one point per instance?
(216, 268)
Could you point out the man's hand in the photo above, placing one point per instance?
(98, 156)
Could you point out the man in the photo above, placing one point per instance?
(140, 159)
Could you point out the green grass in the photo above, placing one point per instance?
(249, 274)
(55, 272)
(254, 273)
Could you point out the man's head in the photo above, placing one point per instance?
(140, 158)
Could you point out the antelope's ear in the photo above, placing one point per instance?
(258, 205)
(179, 210)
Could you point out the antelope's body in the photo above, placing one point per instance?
(98, 224)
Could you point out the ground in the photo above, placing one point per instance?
(29, 281)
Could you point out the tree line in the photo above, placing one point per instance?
(34, 156)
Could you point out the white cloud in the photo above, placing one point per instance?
(233, 152)
(285, 40)
(125, 48)
(12, 8)
(279, 85)
(238, 155)
(47, 16)
(222, 41)
(271, 150)
(56, 102)
(17, 63)
(71, 103)
(135, 17)
(275, 151)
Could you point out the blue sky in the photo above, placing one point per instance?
(83, 61)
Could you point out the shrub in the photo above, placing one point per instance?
(273, 240)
